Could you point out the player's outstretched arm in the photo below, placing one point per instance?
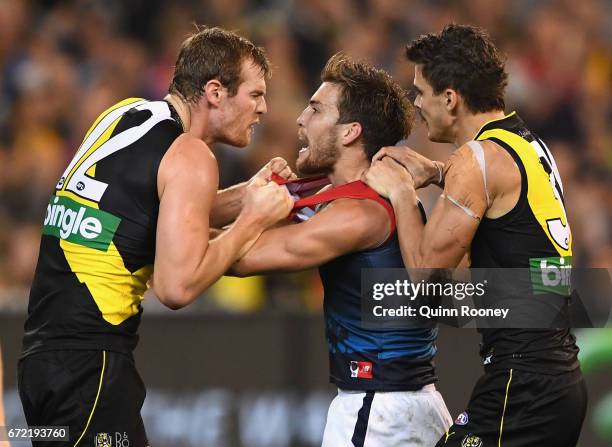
(228, 202)
(186, 261)
(446, 238)
(343, 227)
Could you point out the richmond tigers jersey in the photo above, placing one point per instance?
(534, 233)
(98, 239)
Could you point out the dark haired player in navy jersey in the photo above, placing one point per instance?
(385, 377)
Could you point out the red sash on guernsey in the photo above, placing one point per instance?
(303, 207)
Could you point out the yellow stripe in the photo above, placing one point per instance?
(501, 425)
(103, 138)
(125, 102)
(448, 435)
(96, 401)
(116, 291)
(77, 199)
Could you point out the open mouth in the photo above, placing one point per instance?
(304, 141)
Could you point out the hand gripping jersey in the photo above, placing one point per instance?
(364, 358)
(98, 243)
(534, 232)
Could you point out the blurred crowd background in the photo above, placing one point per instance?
(63, 62)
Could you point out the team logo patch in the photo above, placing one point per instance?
(361, 370)
(104, 440)
(462, 419)
(551, 275)
(471, 441)
(80, 224)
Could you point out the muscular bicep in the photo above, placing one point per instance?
(187, 184)
(448, 235)
(345, 226)
(457, 214)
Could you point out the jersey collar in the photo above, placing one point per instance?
(509, 120)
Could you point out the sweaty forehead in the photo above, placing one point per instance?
(327, 94)
(252, 75)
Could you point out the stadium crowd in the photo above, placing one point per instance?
(63, 62)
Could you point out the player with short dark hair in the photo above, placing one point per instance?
(385, 376)
(137, 202)
(213, 53)
(503, 205)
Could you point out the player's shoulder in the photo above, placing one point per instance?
(464, 177)
(469, 152)
(460, 165)
(364, 217)
(188, 156)
(187, 147)
(467, 162)
(354, 224)
(365, 208)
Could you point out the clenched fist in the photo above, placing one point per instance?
(278, 166)
(266, 202)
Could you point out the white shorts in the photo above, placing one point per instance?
(386, 419)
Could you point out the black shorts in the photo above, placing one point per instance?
(515, 408)
(97, 394)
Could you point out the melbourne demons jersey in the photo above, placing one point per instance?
(365, 358)
(98, 243)
(534, 233)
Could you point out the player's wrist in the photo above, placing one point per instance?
(250, 224)
(436, 173)
(403, 194)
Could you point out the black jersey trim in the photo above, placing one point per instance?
(508, 122)
(522, 201)
(174, 115)
(548, 156)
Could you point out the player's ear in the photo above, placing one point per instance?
(450, 99)
(214, 92)
(350, 133)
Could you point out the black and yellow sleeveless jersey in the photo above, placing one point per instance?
(534, 234)
(98, 238)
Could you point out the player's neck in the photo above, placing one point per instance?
(195, 118)
(469, 125)
(351, 164)
(181, 108)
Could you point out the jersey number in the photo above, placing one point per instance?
(98, 145)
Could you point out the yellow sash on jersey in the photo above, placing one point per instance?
(546, 206)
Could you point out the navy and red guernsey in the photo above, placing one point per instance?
(363, 358)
